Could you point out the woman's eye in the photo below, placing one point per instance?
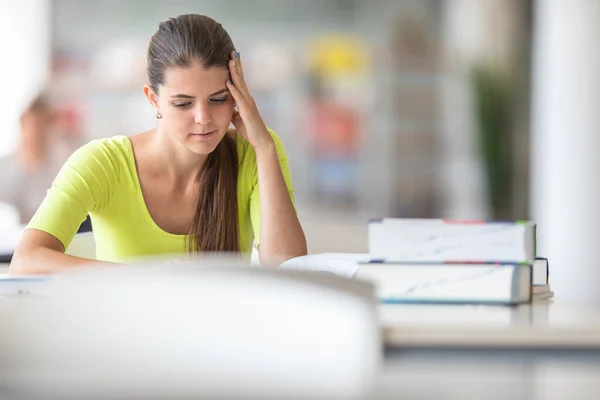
(182, 105)
(220, 100)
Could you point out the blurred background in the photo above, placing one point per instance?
(470, 109)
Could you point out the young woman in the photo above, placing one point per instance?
(190, 184)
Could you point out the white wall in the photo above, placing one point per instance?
(25, 38)
(565, 188)
(463, 177)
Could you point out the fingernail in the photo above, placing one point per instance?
(237, 55)
(229, 81)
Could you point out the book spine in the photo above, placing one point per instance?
(445, 221)
(438, 262)
(547, 268)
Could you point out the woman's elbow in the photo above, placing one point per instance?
(19, 265)
(279, 256)
(302, 249)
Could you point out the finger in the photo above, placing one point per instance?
(237, 61)
(237, 78)
(238, 122)
(237, 96)
(237, 74)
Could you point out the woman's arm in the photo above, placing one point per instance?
(40, 253)
(82, 186)
(281, 236)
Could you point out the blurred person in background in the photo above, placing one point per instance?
(189, 185)
(27, 173)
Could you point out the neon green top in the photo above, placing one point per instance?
(100, 179)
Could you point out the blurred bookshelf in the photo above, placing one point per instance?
(98, 69)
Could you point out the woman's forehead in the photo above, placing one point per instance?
(195, 80)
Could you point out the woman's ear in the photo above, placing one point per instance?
(151, 96)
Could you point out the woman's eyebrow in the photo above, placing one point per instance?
(219, 92)
(182, 96)
(187, 96)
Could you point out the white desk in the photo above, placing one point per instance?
(540, 351)
(546, 350)
(543, 324)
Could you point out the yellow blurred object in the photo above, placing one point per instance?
(336, 55)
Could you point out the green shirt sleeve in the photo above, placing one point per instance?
(255, 194)
(82, 186)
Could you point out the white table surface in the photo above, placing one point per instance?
(541, 324)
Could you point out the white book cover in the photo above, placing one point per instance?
(427, 282)
(398, 239)
(449, 282)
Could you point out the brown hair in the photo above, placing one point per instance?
(177, 43)
(39, 105)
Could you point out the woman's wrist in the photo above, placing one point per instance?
(265, 145)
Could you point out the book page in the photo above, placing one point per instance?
(341, 264)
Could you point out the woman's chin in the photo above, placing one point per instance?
(202, 149)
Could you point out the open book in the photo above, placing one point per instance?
(341, 264)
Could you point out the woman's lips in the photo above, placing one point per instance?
(204, 135)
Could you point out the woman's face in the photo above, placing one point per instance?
(196, 106)
(36, 127)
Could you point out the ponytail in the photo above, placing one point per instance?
(215, 224)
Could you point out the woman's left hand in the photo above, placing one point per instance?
(247, 119)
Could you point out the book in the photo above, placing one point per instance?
(438, 240)
(540, 292)
(428, 282)
(473, 283)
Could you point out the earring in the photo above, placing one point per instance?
(158, 115)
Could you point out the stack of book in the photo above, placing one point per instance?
(444, 261)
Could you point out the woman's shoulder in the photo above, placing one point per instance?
(109, 153)
(110, 146)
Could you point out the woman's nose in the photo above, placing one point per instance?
(202, 116)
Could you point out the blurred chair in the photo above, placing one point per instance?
(83, 245)
(9, 216)
(86, 225)
(209, 328)
(11, 230)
